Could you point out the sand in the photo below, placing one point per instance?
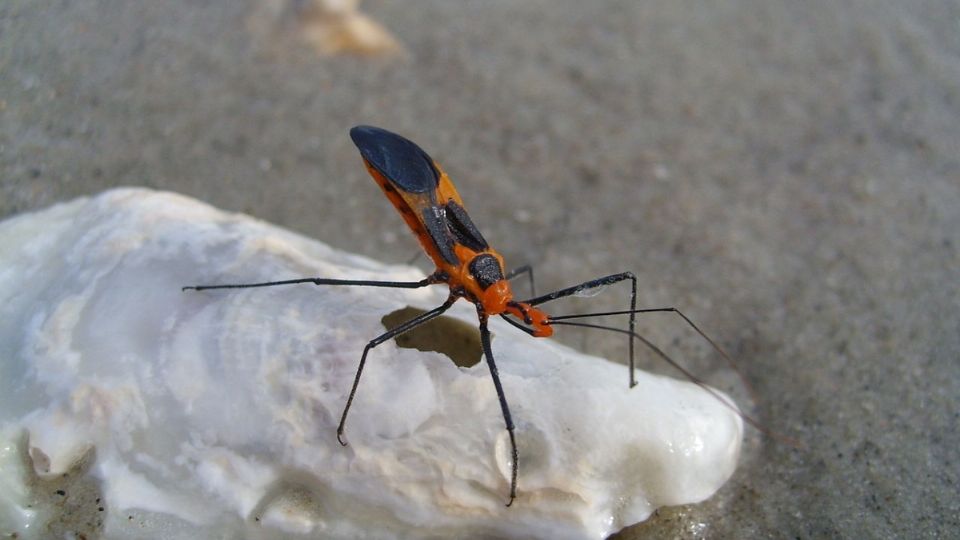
(785, 173)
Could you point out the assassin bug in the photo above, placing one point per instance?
(432, 209)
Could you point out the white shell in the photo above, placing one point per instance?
(212, 414)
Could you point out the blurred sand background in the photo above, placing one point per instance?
(788, 173)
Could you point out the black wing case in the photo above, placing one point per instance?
(397, 158)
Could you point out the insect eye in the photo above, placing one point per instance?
(486, 270)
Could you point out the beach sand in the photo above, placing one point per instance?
(787, 174)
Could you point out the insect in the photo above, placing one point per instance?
(472, 270)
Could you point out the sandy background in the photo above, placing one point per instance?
(788, 173)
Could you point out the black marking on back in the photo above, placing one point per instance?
(398, 159)
(486, 270)
(436, 224)
(463, 228)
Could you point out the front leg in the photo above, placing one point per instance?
(386, 336)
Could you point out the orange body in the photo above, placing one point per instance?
(496, 298)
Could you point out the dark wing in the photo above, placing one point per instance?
(460, 224)
(398, 159)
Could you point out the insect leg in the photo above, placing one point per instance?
(525, 269)
(430, 280)
(600, 282)
(488, 354)
(386, 336)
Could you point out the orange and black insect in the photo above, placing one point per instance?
(430, 205)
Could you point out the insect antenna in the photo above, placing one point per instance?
(758, 425)
(733, 365)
